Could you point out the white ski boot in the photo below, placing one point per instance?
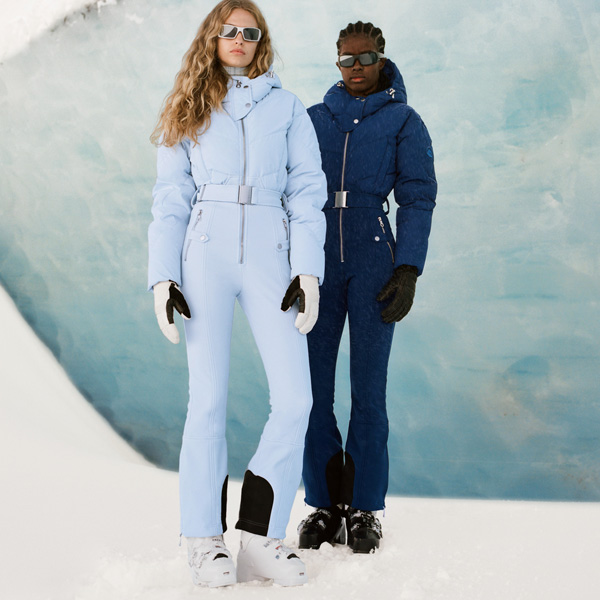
(261, 558)
(210, 561)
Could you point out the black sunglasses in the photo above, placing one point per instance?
(366, 59)
(250, 34)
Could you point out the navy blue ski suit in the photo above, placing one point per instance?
(369, 146)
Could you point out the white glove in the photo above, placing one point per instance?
(168, 296)
(304, 288)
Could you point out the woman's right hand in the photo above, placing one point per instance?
(167, 296)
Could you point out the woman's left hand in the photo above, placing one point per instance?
(305, 289)
(401, 288)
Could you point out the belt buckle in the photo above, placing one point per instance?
(341, 200)
(245, 194)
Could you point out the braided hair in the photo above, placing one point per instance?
(373, 33)
(367, 29)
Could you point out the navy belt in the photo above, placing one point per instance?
(353, 200)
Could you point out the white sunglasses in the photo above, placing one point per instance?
(250, 34)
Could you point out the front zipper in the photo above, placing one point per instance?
(341, 190)
(243, 183)
(385, 236)
(285, 226)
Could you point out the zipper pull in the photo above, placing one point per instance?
(381, 223)
(238, 83)
(285, 226)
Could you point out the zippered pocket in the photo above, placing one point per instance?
(198, 219)
(391, 251)
(385, 236)
(195, 233)
(201, 238)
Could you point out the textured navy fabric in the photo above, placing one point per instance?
(350, 288)
(387, 148)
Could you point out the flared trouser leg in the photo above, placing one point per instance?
(357, 476)
(323, 454)
(366, 468)
(275, 470)
(203, 457)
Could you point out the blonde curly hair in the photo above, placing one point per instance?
(201, 83)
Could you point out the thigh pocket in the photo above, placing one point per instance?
(198, 228)
(283, 247)
(192, 240)
(281, 225)
(283, 260)
(281, 230)
(379, 232)
(369, 232)
(281, 242)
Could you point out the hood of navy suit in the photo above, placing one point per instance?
(348, 111)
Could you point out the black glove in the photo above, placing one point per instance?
(401, 289)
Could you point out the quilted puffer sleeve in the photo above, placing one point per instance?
(415, 191)
(172, 193)
(306, 192)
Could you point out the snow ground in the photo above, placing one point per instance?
(83, 517)
(493, 382)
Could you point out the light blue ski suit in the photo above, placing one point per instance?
(238, 215)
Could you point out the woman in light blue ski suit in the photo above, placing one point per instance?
(237, 215)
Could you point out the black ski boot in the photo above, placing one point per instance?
(364, 531)
(322, 525)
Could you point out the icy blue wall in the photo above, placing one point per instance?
(493, 386)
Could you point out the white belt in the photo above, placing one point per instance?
(241, 194)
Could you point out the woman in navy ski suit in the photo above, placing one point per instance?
(371, 143)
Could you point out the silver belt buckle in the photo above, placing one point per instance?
(341, 200)
(245, 194)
